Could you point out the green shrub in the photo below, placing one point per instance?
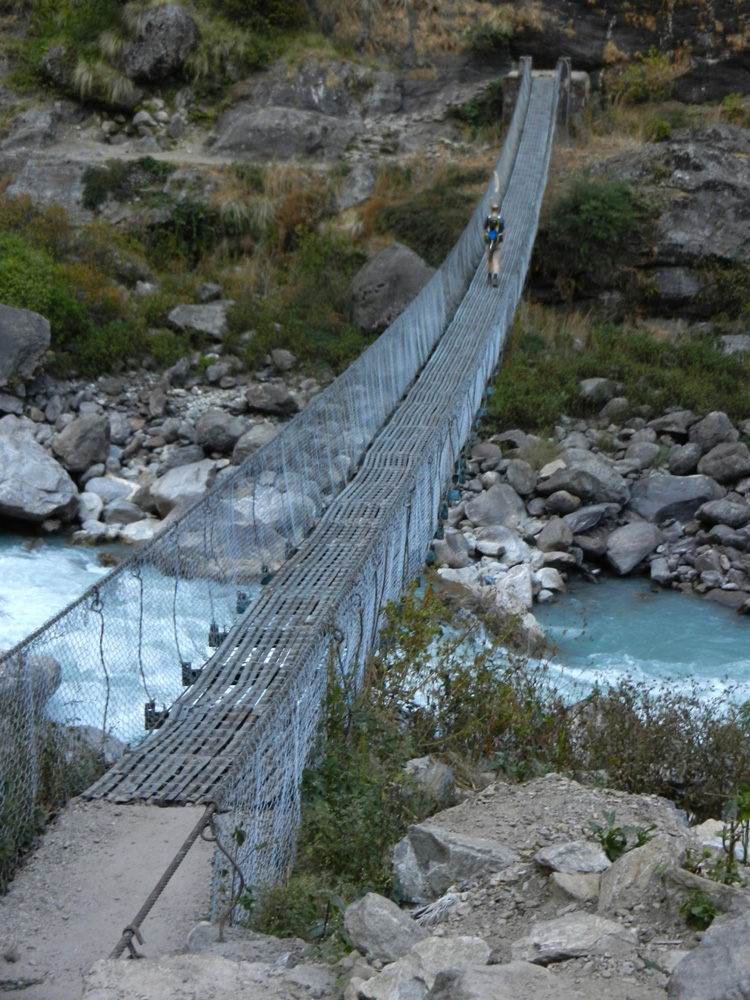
(192, 230)
(648, 78)
(538, 379)
(586, 234)
(486, 108)
(26, 274)
(493, 32)
(429, 221)
(123, 180)
(734, 110)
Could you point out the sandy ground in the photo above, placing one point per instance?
(93, 871)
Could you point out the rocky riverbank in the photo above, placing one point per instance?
(666, 496)
(508, 893)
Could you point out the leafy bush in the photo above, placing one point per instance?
(538, 379)
(191, 231)
(586, 233)
(430, 221)
(486, 108)
(735, 110)
(26, 274)
(493, 32)
(648, 78)
(122, 180)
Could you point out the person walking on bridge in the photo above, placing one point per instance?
(494, 234)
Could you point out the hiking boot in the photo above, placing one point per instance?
(489, 278)
(496, 280)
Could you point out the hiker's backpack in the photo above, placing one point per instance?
(494, 230)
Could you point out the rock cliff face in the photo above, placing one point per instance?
(711, 40)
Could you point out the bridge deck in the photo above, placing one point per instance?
(186, 759)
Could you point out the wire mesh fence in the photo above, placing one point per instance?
(222, 626)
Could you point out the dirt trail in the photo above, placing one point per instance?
(96, 865)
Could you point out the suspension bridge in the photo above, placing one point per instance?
(299, 550)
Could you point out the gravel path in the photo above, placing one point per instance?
(96, 865)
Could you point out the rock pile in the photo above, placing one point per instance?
(523, 901)
(667, 497)
(119, 454)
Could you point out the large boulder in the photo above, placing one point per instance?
(83, 443)
(734, 515)
(52, 181)
(500, 982)
(411, 977)
(282, 133)
(271, 398)
(31, 130)
(574, 936)
(716, 428)
(585, 475)
(380, 930)
(182, 486)
(661, 497)
(630, 544)
(210, 318)
(385, 286)
(726, 463)
(498, 505)
(24, 338)
(165, 36)
(429, 859)
(719, 969)
(33, 486)
(218, 430)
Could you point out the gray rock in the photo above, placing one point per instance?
(573, 936)
(250, 441)
(358, 185)
(517, 581)
(587, 476)
(661, 496)
(434, 777)
(11, 404)
(122, 512)
(410, 977)
(676, 287)
(583, 888)
(33, 129)
(550, 579)
(139, 531)
(726, 463)
(427, 860)
(714, 429)
(24, 339)
(660, 572)
(119, 428)
(33, 486)
(90, 507)
(183, 486)
(637, 874)
(683, 458)
(562, 503)
(164, 38)
(271, 398)
(502, 543)
(509, 981)
(385, 286)
(677, 423)
(210, 318)
(629, 545)
(29, 681)
(617, 409)
(642, 453)
(282, 360)
(487, 453)
(379, 930)
(282, 133)
(596, 390)
(719, 968)
(83, 443)
(588, 517)
(735, 515)
(576, 857)
(110, 488)
(738, 343)
(521, 476)
(452, 550)
(498, 505)
(218, 430)
(555, 536)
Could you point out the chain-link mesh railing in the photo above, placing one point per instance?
(266, 573)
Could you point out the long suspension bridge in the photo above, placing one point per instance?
(299, 550)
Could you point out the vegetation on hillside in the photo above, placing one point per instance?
(547, 355)
(442, 683)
